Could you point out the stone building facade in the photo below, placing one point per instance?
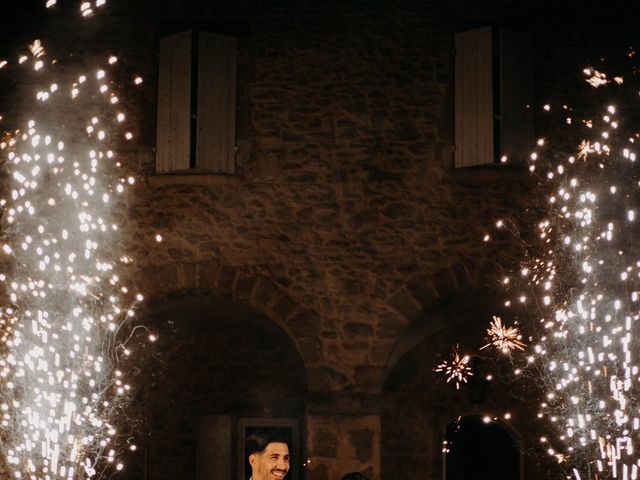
(322, 282)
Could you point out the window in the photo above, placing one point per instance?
(493, 97)
(196, 104)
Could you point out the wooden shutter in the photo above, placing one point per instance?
(173, 140)
(214, 448)
(473, 98)
(516, 81)
(215, 144)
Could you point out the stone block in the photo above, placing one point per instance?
(283, 308)
(445, 284)
(325, 379)
(317, 472)
(351, 345)
(369, 378)
(206, 274)
(362, 442)
(463, 280)
(422, 291)
(358, 329)
(390, 325)
(264, 295)
(244, 287)
(165, 278)
(304, 323)
(381, 351)
(310, 350)
(353, 441)
(403, 303)
(325, 443)
(225, 281)
(185, 276)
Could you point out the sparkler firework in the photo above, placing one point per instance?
(60, 380)
(586, 287)
(457, 368)
(505, 339)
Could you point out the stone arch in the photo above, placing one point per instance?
(218, 362)
(167, 283)
(418, 308)
(473, 309)
(416, 400)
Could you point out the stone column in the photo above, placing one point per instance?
(341, 440)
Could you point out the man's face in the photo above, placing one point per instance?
(270, 464)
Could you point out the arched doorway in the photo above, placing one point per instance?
(418, 402)
(477, 449)
(218, 370)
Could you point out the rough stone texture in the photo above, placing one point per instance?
(418, 405)
(362, 441)
(342, 444)
(345, 229)
(346, 201)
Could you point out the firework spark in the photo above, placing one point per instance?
(595, 78)
(585, 148)
(505, 339)
(457, 368)
(87, 8)
(585, 283)
(59, 374)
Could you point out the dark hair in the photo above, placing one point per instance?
(354, 476)
(258, 440)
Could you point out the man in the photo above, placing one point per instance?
(268, 453)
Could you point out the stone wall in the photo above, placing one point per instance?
(345, 209)
(345, 226)
(341, 444)
(345, 200)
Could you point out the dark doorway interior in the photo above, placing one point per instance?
(218, 367)
(480, 451)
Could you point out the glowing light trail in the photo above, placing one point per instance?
(60, 380)
(457, 368)
(586, 287)
(505, 339)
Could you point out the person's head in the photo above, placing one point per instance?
(354, 476)
(268, 454)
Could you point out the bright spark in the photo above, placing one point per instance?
(457, 368)
(504, 339)
(585, 285)
(59, 386)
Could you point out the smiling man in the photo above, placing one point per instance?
(268, 452)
